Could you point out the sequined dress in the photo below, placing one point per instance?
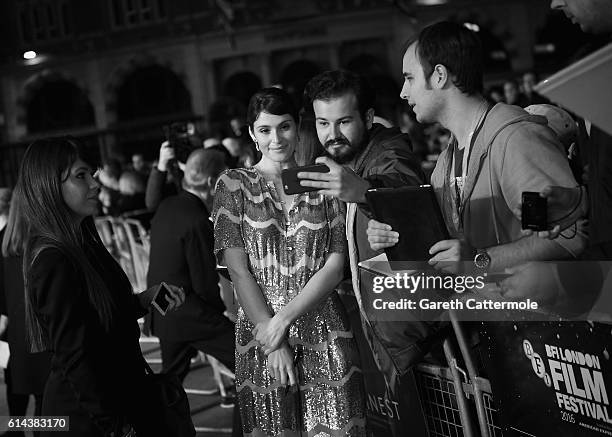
(283, 254)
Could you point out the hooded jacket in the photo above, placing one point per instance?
(513, 152)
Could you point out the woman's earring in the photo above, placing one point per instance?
(257, 145)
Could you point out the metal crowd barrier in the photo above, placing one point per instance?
(457, 402)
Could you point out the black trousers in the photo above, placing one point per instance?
(18, 402)
(176, 357)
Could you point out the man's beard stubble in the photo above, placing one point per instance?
(348, 153)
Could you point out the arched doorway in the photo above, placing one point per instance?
(151, 91)
(57, 104)
(295, 77)
(148, 98)
(241, 86)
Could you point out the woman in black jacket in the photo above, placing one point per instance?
(26, 373)
(79, 303)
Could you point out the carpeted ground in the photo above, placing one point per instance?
(209, 418)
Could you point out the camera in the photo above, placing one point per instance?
(182, 139)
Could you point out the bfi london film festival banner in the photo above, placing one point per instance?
(551, 378)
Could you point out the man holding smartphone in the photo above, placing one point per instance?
(361, 154)
(496, 153)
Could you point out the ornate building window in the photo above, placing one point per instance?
(43, 20)
(129, 13)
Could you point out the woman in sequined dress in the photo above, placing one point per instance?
(297, 364)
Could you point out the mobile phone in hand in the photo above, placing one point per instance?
(291, 183)
(160, 302)
(533, 211)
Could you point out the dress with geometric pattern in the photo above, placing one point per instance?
(284, 252)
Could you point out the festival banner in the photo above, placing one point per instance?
(390, 410)
(550, 378)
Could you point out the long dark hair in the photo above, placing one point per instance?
(15, 233)
(51, 225)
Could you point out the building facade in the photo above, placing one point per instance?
(117, 70)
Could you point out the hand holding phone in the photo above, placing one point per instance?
(168, 297)
(534, 211)
(291, 183)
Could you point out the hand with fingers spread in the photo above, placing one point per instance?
(271, 333)
(572, 202)
(280, 365)
(381, 236)
(340, 181)
(448, 254)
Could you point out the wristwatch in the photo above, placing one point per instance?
(482, 259)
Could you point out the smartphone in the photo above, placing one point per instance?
(533, 212)
(291, 183)
(160, 302)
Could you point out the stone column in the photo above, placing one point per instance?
(196, 83)
(334, 56)
(264, 69)
(97, 96)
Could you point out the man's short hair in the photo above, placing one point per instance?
(332, 84)
(202, 164)
(457, 48)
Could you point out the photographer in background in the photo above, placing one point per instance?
(166, 177)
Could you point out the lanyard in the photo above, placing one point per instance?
(467, 153)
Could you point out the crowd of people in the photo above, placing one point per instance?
(292, 348)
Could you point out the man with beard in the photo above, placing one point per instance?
(361, 155)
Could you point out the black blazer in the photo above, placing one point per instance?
(28, 372)
(96, 376)
(182, 254)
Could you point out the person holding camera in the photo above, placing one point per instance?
(496, 154)
(182, 253)
(162, 180)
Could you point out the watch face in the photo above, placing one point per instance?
(482, 260)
